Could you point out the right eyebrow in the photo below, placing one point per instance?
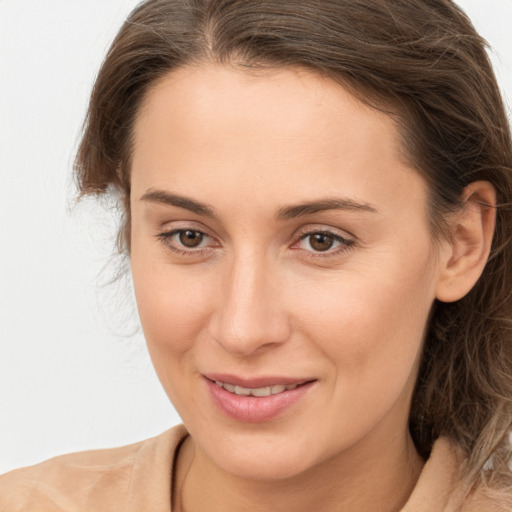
(309, 208)
(166, 198)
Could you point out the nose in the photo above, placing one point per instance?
(250, 316)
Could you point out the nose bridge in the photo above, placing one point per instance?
(249, 315)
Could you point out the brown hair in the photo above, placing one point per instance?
(423, 61)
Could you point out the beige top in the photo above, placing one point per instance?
(137, 478)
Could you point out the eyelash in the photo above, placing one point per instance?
(345, 243)
(166, 236)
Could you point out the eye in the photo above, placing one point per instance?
(186, 241)
(324, 242)
(190, 239)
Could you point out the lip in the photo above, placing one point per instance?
(256, 382)
(252, 409)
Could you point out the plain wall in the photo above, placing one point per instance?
(71, 377)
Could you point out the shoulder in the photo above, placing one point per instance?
(488, 499)
(439, 488)
(122, 478)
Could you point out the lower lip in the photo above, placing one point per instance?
(255, 409)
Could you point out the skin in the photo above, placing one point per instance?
(256, 298)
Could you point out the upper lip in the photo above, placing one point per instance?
(256, 382)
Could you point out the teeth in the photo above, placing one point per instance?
(265, 391)
(239, 390)
(262, 391)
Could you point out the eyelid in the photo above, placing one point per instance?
(345, 240)
(323, 228)
(166, 237)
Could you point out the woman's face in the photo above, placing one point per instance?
(279, 239)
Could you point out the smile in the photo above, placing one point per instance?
(263, 391)
(256, 400)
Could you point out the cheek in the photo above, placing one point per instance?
(370, 327)
(171, 300)
(173, 306)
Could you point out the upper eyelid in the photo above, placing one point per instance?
(342, 240)
(343, 234)
(337, 237)
(173, 232)
(164, 236)
(185, 226)
(298, 235)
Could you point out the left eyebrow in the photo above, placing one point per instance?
(308, 208)
(166, 198)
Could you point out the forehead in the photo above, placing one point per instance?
(291, 103)
(289, 130)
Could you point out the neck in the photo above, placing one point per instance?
(376, 471)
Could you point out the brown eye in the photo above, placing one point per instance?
(321, 241)
(191, 239)
(324, 243)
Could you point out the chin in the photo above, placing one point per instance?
(264, 466)
(262, 456)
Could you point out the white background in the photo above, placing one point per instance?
(72, 374)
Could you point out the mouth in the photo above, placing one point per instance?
(256, 400)
(260, 391)
(256, 386)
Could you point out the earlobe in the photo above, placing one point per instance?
(466, 253)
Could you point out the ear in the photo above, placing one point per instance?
(465, 254)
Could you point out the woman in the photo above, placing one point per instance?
(317, 215)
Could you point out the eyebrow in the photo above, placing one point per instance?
(300, 210)
(166, 198)
(284, 213)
